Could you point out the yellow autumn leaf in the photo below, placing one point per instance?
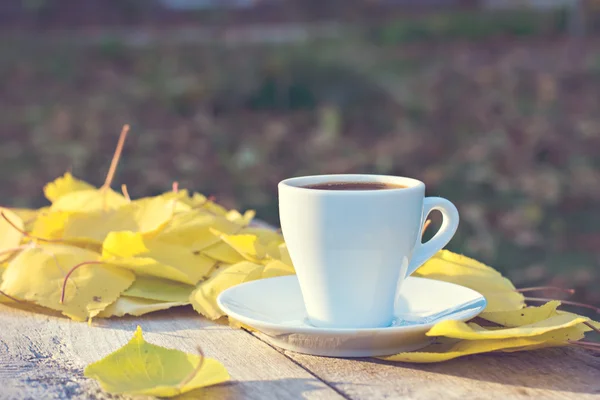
(10, 238)
(126, 305)
(268, 238)
(447, 349)
(147, 217)
(450, 263)
(159, 289)
(595, 324)
(239, 219)
(37, 275)
(175, 200)
(204, 298)
(183, 196)
(277, 268)
(500, 293)
(525, 316)
(89, 200)
(497, 293)
(247, 246)
(3, 298)
(213, 208)
(272, 251)
(153, 258)
(63, 185)
(201, 203)
(472, 331)
(197, 201)
(265, 236)
(28, 216)
(193, 229)
(557, 338)
(234, 323)
(124, 244)
(223, 253)
(50, 224)
(284, 255)
(142, 368)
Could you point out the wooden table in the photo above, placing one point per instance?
(42, 356)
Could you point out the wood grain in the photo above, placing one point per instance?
(564, 373)
(42, 356)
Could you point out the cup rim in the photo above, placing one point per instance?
(297, 183)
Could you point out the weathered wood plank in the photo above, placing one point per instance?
(42, 356)
(544, 374)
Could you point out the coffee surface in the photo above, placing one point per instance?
(354, 186)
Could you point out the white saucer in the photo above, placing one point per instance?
(274, 306)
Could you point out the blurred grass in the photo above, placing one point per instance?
(471, 25)
(503, 125)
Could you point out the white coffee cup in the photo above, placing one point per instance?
(352, 249)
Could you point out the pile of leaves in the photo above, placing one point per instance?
(97, 253)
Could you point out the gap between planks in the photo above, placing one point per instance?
(308, 371)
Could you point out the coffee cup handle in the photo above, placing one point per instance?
(424, 251)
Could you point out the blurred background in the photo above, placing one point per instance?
(495, 104)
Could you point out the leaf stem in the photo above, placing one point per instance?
(27, 234)
(572, 303)
(64, 286)
(125, 192)
(590, 348)
(540, 288)
(425, 226)
(10, 297)
(596, 346)
(30, 220)
(116, 156)
(13, 250)
(195, 371)
(174, 189)
(589, 324)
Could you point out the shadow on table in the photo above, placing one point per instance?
(288, 388)
(165, 321)
(34, 310)
(560, 369)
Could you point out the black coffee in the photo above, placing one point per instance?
(354, 186)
